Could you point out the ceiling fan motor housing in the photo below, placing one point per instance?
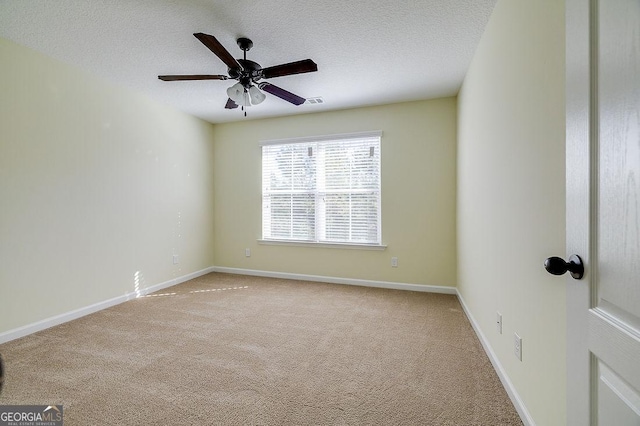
(250, 72)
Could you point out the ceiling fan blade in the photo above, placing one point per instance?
(299, 67)
(218, 49)
(230, 104)
(192, 77)
(282, 94)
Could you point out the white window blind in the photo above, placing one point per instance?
(324, 189)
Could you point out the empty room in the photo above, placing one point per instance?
(294, 212)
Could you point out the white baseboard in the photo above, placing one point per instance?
(502, 374)
(77, 313)
(336, 280)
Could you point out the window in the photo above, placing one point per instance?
(322, 190)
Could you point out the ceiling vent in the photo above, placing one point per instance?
(314, 101)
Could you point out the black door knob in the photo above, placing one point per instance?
(557, 266)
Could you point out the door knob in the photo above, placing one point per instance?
(557, 266)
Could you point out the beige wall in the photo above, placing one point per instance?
(96, 183)
(418, 194)
(511, 196)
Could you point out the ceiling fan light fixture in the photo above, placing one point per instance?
(236, 93)
(246, 99)
(257, 97)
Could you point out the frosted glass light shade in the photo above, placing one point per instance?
(236, 93)
(256, 95)
(245, 100)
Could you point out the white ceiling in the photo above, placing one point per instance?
(368, 52)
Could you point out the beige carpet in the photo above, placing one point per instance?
(235, 350)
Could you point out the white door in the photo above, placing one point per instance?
(603, 211)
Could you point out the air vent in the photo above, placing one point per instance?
(314, 101)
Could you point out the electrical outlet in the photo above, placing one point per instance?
(394, 262)
(517, 346)
(247, 252)
(499, 322)
(175, 259)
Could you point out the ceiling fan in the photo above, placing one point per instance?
(246, 91)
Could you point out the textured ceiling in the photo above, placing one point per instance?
(368, 51)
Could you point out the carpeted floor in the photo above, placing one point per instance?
(236, 350)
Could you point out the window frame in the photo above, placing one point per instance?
(379, 245)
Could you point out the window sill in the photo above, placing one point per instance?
(352, 246)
